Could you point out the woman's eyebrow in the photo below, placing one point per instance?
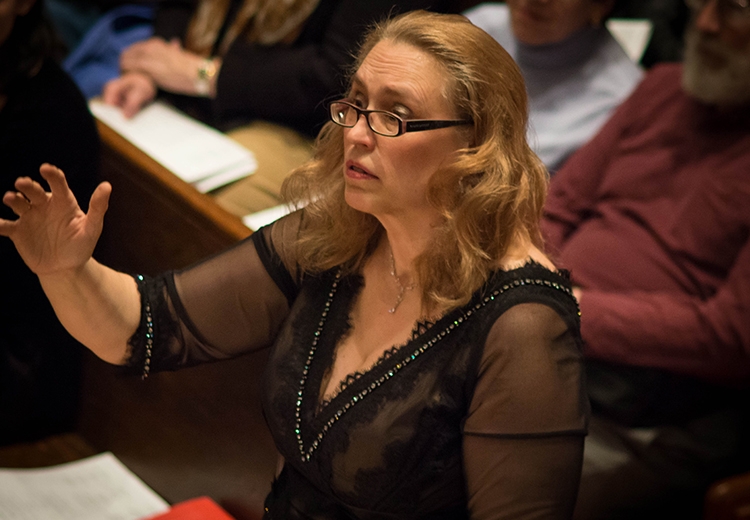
(357, 82)
(388, 91)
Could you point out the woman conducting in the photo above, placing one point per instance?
(425, 356)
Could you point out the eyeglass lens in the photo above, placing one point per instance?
(379, 121)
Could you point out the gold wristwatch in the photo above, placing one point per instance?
(206, 71)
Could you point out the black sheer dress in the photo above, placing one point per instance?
(481, 414)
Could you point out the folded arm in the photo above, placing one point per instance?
(707, 338)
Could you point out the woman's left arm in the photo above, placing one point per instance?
(523, 437)
(522, 478)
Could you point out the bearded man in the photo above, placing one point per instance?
(652, 218)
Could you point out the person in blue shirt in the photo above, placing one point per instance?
(576, 72)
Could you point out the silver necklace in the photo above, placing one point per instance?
(401, 288)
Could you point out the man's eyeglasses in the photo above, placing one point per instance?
(734, 10)
(385, 123)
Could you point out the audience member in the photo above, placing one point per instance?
(652, 217)
(576, 73)
(260, 67)
(245, 60)
(96, 58)
(425, 359)
(43, 117)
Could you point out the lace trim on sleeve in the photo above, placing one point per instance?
(148, 317)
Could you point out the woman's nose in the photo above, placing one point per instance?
(361, 132)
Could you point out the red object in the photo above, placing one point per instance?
(201, 508)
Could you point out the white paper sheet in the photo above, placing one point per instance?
(95, 488)
(259, 219)
(195, 152)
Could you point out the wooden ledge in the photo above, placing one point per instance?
(157, 221)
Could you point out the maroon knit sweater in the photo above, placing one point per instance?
(652, 217)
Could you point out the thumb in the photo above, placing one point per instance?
(99, 202)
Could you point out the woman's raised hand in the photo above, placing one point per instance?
(52, 234)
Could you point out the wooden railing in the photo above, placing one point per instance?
(157, 221)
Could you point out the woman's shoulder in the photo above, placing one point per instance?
(532, 277)
(525, 265)
(532, 273)
(522, 254)
(531, 356)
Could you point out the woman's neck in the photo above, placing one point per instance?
(406, 241)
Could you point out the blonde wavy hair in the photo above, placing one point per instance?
(490, 196)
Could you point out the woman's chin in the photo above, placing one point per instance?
(359, 200)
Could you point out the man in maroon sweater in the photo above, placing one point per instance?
(652, 218)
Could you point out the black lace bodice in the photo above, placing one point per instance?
(480, 414)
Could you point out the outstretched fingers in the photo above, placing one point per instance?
(6, 227)
(17, 202)
(31, 190)
(55, 178)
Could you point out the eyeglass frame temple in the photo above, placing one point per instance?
(432, 124)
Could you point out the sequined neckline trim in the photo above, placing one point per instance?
(420, 328)
(306, 452)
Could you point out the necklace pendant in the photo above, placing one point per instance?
(401, 288)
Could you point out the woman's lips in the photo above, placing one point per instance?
(356, 171)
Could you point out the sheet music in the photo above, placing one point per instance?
(195, 152)
(94, 488)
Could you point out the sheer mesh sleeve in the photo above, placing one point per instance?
(523, 436)
(227, 305)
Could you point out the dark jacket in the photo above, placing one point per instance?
(285, 84)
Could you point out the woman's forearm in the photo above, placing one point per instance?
(99, 306)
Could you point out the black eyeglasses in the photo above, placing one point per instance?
(383, 122)
(732, 10)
